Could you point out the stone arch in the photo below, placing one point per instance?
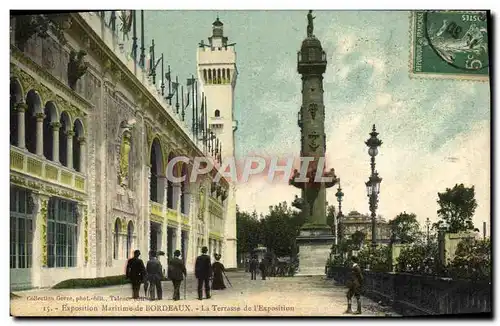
(228, 75)
(130, 238)
(78, 141)
(16, 90)
(217, 113)
(156, 163)
(65, 127)
(33, 109)
(49, 121)
(218, 76)
(205, 75)
(16, 97)
(116, 238)
(170, 185)
(209, 76)
(184, 171)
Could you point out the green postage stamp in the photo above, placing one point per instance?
(449, 44)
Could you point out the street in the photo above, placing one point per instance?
(289, 296)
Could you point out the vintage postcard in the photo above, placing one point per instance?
(250, 163)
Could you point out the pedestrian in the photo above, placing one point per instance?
(253, 267)
(155, 275)
(354, 286)
(176, 273)
(135, 272)
(218, 274)
(202, 271)
(262, 268)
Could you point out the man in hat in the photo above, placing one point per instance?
(155, 275)
(354, 286)
(135, 272)
(176, 272)
(253, 267)
(203, 271)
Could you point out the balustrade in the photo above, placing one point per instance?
(32, 165)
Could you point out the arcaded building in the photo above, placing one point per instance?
(90, 139)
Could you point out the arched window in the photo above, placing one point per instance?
(156, 168)
(15, 97)
(228, 75)
(30, 136)
(217, 113)
(63, 138)
(130, 233)
(116, 240)
(205, 75)
(78, 143)
(209, 76)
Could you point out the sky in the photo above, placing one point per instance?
(422, 122)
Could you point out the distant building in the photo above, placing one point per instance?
(355, 221)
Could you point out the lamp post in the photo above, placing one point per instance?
(339, 196)
(373, 183)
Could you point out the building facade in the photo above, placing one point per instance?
(91, 139)
(355, 221)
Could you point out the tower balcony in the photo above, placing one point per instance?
(311, 61)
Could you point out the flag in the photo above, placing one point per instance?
(187, 99)
(174, 86)
(190, 82)
(167, 75)
(126, 20)
(147, 64)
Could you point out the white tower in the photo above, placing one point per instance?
(217, 76)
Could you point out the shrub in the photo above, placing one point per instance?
(378, 259)
(472, 260)
(419, 259)
(81, 283)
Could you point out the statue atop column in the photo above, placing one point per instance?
(310, 24)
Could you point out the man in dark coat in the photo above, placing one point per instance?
(253, 267)
(354, 286)
(176, 272)
(135, 272)
(262, 268)
(155, 275)
(203, 271)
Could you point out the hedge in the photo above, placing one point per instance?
(79, 283)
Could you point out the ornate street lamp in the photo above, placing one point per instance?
(339, 196)
(373, 183)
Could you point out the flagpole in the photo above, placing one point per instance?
(195, 99)
(113, 21)
(143, 55)
(134, 41)
(192, 107)
(182, 102)
(169, 87)
(205, 120)
(177, 94)
(162, 77)
(152, 61)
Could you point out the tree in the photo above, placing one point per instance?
(247, 231)
(457, 206)
(330, 216)
(358, 238)
(405, 228)
(279, 229)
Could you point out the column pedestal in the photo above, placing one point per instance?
(314, 250)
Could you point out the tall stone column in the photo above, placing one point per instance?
(176, 198)
(39, 133)
(83, 155)
(56, 126)
(21, 109)
(69, 152)
(178, 238)
(39, 243)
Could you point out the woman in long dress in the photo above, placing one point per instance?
(218, 271)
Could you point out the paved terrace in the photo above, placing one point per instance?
(289, 296)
